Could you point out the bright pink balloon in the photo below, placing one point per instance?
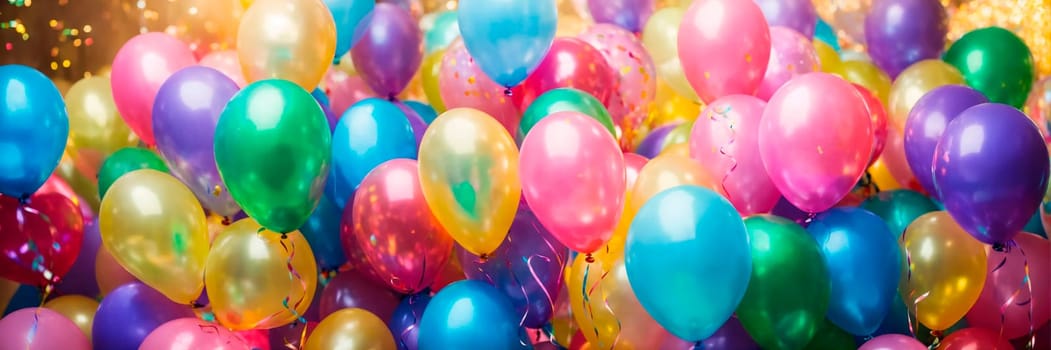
(573, 178)
(139, 69)
(569, 63)
(633, 164)
(725, 140)
(226, 62)
(41, 329)
(344, 90)
(724, 46)
(878, 117)
(815, 139)
(463, 84)
(1006, 293)
(974, 339)
(791, 54)
(192, 333)
(633, 69)
(893, 342)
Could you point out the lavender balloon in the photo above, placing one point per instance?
(991, 169)
(902, 32)
(185, 114)
(390, 51)
(795, 14)
(628, 14)
(926, 124)
(731, 336)
(81, 277)
(405, 324)
(129, 313)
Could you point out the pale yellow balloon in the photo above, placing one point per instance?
(660, 37)
(869, 76)
(605, 307)
(155, 227)
(293, 40)
(351, 329)
(96, 129)
(429, 70)
(914, 82)
(830, 61)
(77, 308)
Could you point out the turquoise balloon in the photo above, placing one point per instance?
(445, 30)
(507, 38)
(347, 15)
(688, 260)
(469, 315)
(425, 111)
(33, 129)
(899, 208)
(826, 34)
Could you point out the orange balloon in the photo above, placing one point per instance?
(108, 272)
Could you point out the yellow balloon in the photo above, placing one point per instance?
(96, 129)
(830, 60)
(669, 107)
(154, 226)
(469, 175)
(866, 74)
(249, 280)
(432, 65)
(916, 81)
(605, 307)
(660, 37)
(77, 308)
(882, 176)
(351, 329)
(946, 270)
(293, 40)
(664, 172)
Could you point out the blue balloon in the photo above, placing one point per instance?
(405, 323)
(349, 15)
(507, 38)
(25, 296)
(864, 265)
(826, 34)
(469, 315)
(33, 129)
(444, 31)
(425, 111)
(322, 232)
(371, 132)
(688, 260)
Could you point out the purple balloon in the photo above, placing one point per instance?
(405, 324)
(902, 32)
(785, 209)
(731, 335)
(185, 114)
(349, 289)
(527, 267)
(419, 126)
(991, 168)
(129, 313)
(650, 146)
(390, 50)
(81, 277)
(628, 14)
(795, 14)
(926, 124)
(290, 335)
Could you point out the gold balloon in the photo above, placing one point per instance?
(914, 82)
(250, 280)
(293, 40)
(154, 226)
(867, 75)
(432, 65)
(946, 270)
(660, 37)
(670, 108)
(830, 60)
(882, 176)
(77, 308)
(1029, 19)
(664, 172)
(96, 129)
(109, 274)
(7, 291)
(351, 329)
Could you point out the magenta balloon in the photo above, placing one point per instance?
(37, 328)
(349, 289)
(1006, 303)
(893, 342)
(791, 54)
(193, 333)
(390, 51)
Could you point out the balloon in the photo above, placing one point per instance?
(125, 161)
(725, 140)
(789, 284)
(893, 342)
(798, 15)
(571, 63)
(349, 16)
(926, 125)
(430, 70)
(39, 238)
(425, 111)
(734, 39)
(731, 336)
(405, 323)
(662, 173)
(41, 329)
(272, 149)
(678, 136)
(484, 318)
(867, 75)
(791, 54)
(140, 67)
(276, 289)
(351, 290)
(306, 29)
(864, 265)
(829, 336)
(815, 170)
(899, 208)
(634, 72)
(665, 271)
(1005, 74)
(991, 204)
(627, 14)
(127, 315)
(463, 84)
(946, 270)
(227, 63)
(462, 152)
(95, 127)
(915, 82)
(563, 100)
(35, 127)
(878, 117)
(653, 144)
(344, 90)
(825, 34)
(371, 132)
(185, 114)
(1037, 106)
(660, 37)
(109, 274)
(81, 276)
(322, 232)
(351, 329)
(390, 50)
(974, 338)
(509, 38)
(440, 29)
(829, 58)
(192, 333)
(899, 33)
(77, 308)
(1016, 277)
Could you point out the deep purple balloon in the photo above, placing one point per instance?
(405, 324)
(349, 289)
(902, 32)
(785, 209)
(290, 335)
(129, 313)
(731, 336)
(795, 14)
(527, 267)
(991, 170)
(390, 50)
(81, 277)
(419, 126)
(185, 114)
(628, 14)
(926, 124)
(650, 146)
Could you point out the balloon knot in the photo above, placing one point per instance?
(507, 92)
(227, 221)
(1000, 247)
(216, 191)
(195, 305)
(589, 258)
(484, 257)
(392, 98)
(284, 236)
(23, 200)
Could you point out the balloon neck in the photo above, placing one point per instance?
(588, 258)
(1001, 247)
(484, 257)
(24, 200)
(227, 221)
(284, 236)
(507, 92)
(392, 98)
(699, 345)
(195, 305)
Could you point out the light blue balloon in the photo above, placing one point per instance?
(508, 38)
(688, 260)
(425, 111)
(864, 264)
(33, 129)
(349, 15)
(469, 315)
(322, 233)
(444, 31)
(826, 34)
(370, 132)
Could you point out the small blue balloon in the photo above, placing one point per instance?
(322, 232)
(33, 129)
(508, 38)
(688, 260)
(864, 265)
(425, 111)
(469, 315)
(445, 30)
(371, 132)
(826, 34)
(349, 15)
(405, 323)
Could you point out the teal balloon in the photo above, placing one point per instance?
(469, 315)
(33, 129)
(425, 111)
(898, 208)
(370, 132)
(445, 30)
(562, 100)
(348, 15)
(1035, 225)
(507, 38)
(826, 34)
(830, 337)
(688, 260)
(322, 233)
(124, 161)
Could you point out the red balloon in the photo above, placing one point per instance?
(571, 63)
(973, 339)
(39, 241)
(349, 289)
(878, 115)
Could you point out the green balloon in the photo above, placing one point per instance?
(788, 294)
(996, 62)
(561, 100)
(899, 208)
(830, 337)
(125, 161)
(272, 148)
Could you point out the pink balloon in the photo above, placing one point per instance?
(226, 62)
(974, 339)
(139, 69)
(724, 46)
(1006, 293)
(344, 90)
(791, 54)
(725, 140)
(192, 333)
(573, 178)
(38, 328)
(893, 342)
(815, 139)
(633, 68)
(463, 84)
